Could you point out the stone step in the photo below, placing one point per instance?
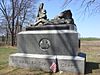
(44, 62)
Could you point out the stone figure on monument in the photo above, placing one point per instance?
(64, 17)
(41, 17)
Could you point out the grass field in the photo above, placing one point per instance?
(91, 48)
(90, 39)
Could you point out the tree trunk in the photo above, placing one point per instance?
(13, 22)
(12, 39)
(7, 37)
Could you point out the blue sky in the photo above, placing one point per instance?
(88, 25)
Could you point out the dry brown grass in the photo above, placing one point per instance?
(92, 50)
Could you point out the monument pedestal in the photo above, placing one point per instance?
(43, 62)
(39, 47)
(48, 42)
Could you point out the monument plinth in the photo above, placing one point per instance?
(49, 45)
(50, 42)
(54, 27)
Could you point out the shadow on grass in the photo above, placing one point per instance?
(91, 66)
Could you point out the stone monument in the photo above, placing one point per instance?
(49, 45)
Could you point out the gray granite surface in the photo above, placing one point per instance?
(43, 62)
(51, 42)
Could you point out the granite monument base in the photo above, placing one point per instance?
(43, 62)
(48, 42)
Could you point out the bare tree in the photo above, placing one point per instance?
(16, 13)
(91, 6)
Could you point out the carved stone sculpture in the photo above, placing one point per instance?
(65, 17)
(41, 17)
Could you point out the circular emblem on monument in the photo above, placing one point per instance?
(44, 44)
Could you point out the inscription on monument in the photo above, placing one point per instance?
(30, 62)
(39, 62)
(67, 65)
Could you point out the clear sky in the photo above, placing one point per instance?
(88, 25)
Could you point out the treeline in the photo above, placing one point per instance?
(90, 39)
(14, 15)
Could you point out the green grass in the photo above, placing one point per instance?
(90, 39)
(4, 54)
